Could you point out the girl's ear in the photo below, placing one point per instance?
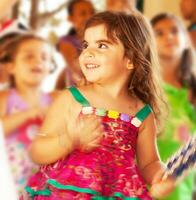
(129, 65)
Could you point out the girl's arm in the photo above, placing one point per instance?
(149, 162)
(11, 122)
(53, 143)
(5, 6)
(147, 155)
(64, 130)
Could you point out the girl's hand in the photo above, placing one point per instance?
(162, 188)
(37, 112)
(86, 132)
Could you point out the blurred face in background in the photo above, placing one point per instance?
(32, 62)
(188, 9)
(82, 11)
(120, 5)
(170, 38)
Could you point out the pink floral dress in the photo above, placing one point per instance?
(17, 142)
(109, 172)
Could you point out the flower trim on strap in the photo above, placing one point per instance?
(134, 120)
(96, 195)
(141, 115)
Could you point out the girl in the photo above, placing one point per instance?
(89, 151)
(176, 59)
(78, 13)
(121, 5)
(23, 107)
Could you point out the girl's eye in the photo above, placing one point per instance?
(84, 45)
(28, 56)
(102, 46)
(45, 57)
(159, 33)
(174, 31)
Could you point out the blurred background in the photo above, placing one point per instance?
(49, 19)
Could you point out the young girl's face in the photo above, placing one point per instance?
(32, 62)
(102, 60)
(170, 38)
(120, 5)
(82, 11)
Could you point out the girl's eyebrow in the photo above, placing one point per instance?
(104, 41)
(99, 41)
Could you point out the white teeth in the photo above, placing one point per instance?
(91, 66)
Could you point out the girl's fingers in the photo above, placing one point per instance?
(163, 188)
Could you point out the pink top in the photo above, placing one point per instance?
(18, 141)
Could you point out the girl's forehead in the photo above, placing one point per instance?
(167, 22)
(32, 43)
(99, 30)
(82, 5)
(34, 46)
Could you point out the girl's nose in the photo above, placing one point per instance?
(169, 36)
(89, 53)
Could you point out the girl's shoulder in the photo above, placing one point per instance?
(64, 97)
(64, 104)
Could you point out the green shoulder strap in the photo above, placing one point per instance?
(78, 96)
(144, 112)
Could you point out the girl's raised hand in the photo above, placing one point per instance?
(162, 188)
(86, 132)
(37, 112)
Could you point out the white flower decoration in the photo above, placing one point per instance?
(136, 122)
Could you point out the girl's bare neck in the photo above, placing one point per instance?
(111, 98)
(169, 64)
(30, 94)
(170, 71)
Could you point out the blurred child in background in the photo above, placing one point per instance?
(177, 67)
(188, 10)
(121, 5)
(23, 106)
(69, 46)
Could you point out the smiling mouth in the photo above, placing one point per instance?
(36, 70)
(91, 66)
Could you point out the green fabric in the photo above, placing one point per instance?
(71, 187)
(96, 195)
(45, 192)
(144, 112)
(78, 96)
(181, 120)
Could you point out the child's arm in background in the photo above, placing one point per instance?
(5, 6)
(148, 159)
(62, 131)
(11, 122)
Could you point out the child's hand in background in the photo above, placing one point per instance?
(37, 112)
